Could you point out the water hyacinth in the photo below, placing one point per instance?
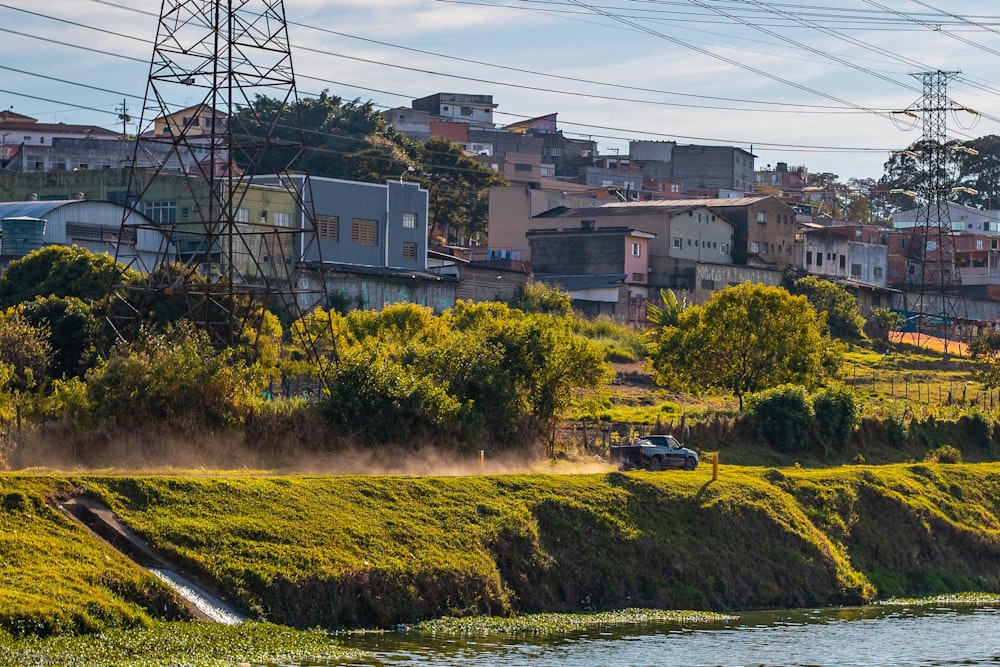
(553, 624)
(950, 599)
(179, 645)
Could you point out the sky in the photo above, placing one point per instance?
(818, 83)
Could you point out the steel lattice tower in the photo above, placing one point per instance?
(932, 279)
(210, 62)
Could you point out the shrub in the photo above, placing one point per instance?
(895, 430)
(783, 416)
(978, 430)
(837, 415)
(944, 454)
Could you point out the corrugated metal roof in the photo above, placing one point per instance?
(34, 209)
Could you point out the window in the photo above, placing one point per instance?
(58, 166)
(762, 217)
(765, 247)
(638, 278)
(819, 259)
(364, 232)
(674, 187)
(708, 284)
(843, 261)
(809, 257)
(327, 227)
(877, 271)
(281, 219)
(636, 250)
(242, 215)
(466, 111)
(161, 211)
(979, 244)
(409, 250)
(520, 166)
(410, 220)
(678, 242)
(855, 270)
(754, 247)
(724, 248)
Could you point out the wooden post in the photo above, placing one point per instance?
(715, 466)
(482, 459)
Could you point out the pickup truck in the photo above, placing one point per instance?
(653, 452)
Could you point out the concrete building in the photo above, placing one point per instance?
(715, 171)
(856, 253)
(962, 218)
(513, 207)
(24, 132)
(603, 270)
(70, 154)
(458, 107)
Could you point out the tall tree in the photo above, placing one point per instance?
(459, 188)
(745, 339)
(980, 172)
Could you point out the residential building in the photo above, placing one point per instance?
(717, 171)
(851, 252)
(195, 121)
(70, 154)
(458, 107)
(21, 132)
(601, 269)
(513, 207)
(961, 218)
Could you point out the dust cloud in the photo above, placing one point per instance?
(156, 452)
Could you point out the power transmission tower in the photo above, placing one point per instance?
(932, 279)
(200, 125)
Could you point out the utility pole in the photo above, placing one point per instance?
(124, 118)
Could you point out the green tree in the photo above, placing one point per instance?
(885, 321)
(61, 271)
(170, 374)
(74, 331)
(747, 338)
(985, 351)
(459, 188)
(839, 306)
(24, 348)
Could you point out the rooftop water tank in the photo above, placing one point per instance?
(21, 235)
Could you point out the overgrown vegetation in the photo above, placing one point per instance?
(376, 551)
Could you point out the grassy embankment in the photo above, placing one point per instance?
(374, 551)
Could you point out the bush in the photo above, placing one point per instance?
(944, 454)
(837, 415)
(783, 416)
(978, 430)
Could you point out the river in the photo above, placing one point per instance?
(918, 636)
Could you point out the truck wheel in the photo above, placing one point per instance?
(690, 463)
(656, 464)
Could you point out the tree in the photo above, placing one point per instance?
(747, 338)
(74, 332)
(459, 188)
(985, 349)
(980, 172)
(671, 311)
(24, 348)
(839, 306)
(61, 271)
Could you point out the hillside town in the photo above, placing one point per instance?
(610, 230)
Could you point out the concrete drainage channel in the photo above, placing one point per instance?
(102, 522)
